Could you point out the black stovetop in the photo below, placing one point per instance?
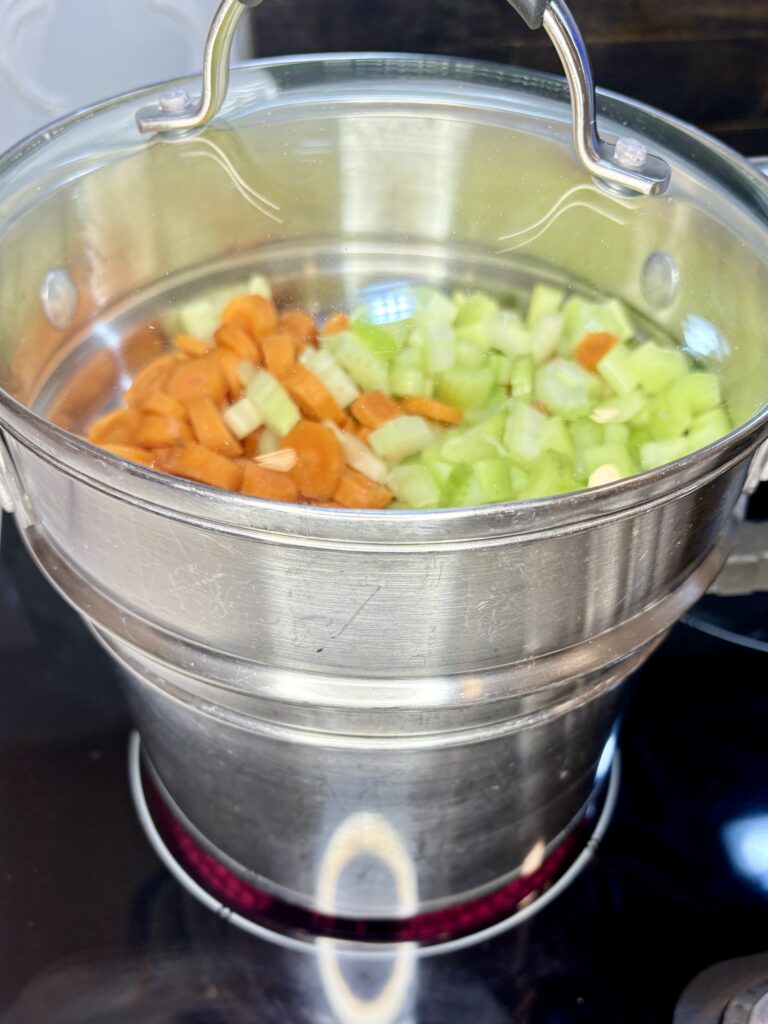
(94, 929)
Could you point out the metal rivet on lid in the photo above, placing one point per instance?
(59, 298)
(630, 153)
(174, 101)
(660, 279)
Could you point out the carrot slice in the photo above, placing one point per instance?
(301, 325)
(230, 364)
(312, 396)
(259, 482)
(357, 491)
(335, 323)
(118, 427)
(198, 378)
(279, 351)
(431, 409)
(163, 405)
(374, 409)
(320, 459)
(363, 433)
(162, 431)
(211, 430)
(239, 341)
(153, 379)
(254, 314)
(251, 444)
(131, 452)
(194, 462)
(592, 347)
(191, 346)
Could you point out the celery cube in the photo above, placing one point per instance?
(523, 433)
(494, 479)
(654, 368)
(401, 437)
(544, 300)
(364, 367)
(507, 334)
(658, 453)
(475, 309)
(545, 336)
(467, 389)
(616, 369)
(566, 388)
(414, 485)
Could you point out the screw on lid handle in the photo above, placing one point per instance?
(625, 166)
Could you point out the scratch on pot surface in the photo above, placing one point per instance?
(352, 617)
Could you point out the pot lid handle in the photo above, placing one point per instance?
(624, 165)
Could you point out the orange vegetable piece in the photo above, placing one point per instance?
(118, 427)
(211, 430)
(259, 482)
(320, 459)
(238, 340)
(230, 364)
(191, 346)
(194, 462)
(312, 396)
(336, 323)
(162, 431)
(153, 379)
(373, 409)
(279, 351)
(130, 452)
(431, 409)
(592, 347)
(164, 405)
(357, 491)
(253, 313)
(363, 433)
(301, 325)
(251, 444)
(198, 378)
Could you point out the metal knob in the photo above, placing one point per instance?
(750, 1006)
(625, 165)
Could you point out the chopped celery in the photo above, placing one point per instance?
(358, 455)
(268, 441)
(654, 368)
(276, 406)
(469, 356)
(577, 314)
(549, 474)
(668, 418)
(555, 437)
(621, 409)
(566, 388)
(508, 335)
(401, 437)
(482, 441)
(259, 285)
(200, 318)
(455, 483)
(523, 433)
(616, 370)
(475, 309)
(466, 389)
(612, 317)
(518, 479)
(657, 453)
(469, 494)
(497, 397)
(494, 479)
(616, 455)
(697, 392)
(414, 485)
(544, 300)
(617, 433)
(501, 366)
(431, 304)
(521, 378)
(243, 418)
(545, 336)
(708, 428)
(439, 468)
(439, 346)
(378, 339)
(475, 334)
(365, 368)
(336, 380)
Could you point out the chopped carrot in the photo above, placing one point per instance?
(251, 443)
(312, 396)
(374, 409)
(320, 458)
(279, 351)
(301, 325)
(194, 462)
(357, 491)
(198, 378)
(431, 409)
(131, 452)
(162, 431)
(153, 379)
(191, 346)
(118, 427)
(211, 430)
(254, 314)
(336, 323)
(363, 433)
(239, 341)
(230, 364)
(592, 347)
(163, 405)
(259, 482)
(347, 423)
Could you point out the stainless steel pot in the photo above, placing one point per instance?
(451, 676)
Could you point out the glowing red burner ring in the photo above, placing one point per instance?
(241, 900)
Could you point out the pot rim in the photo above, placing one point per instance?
(170, 496)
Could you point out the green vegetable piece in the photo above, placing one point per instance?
(200, 318)
(415, 486)
(698, 392)
(668, 418)
(555, 437)
(658, 453)
(273, 402)
(470, 357)
(507, 334)
(616, 370)
(566, 388)
(455, 484)
(523, 433)
(501, 367)
(401, 437)
(545, 337)
(653, 367)
(708, 428)
(466, 389)
(550, 474)
(616, 455)
(377, 339)
(544, 300)
(431, 304)
(243, 418)
(438, 346)
(338, 382)
(406, 381)
(258, 284)
(365, 368)
(623, 409)
(475, 309)
(493, 477)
